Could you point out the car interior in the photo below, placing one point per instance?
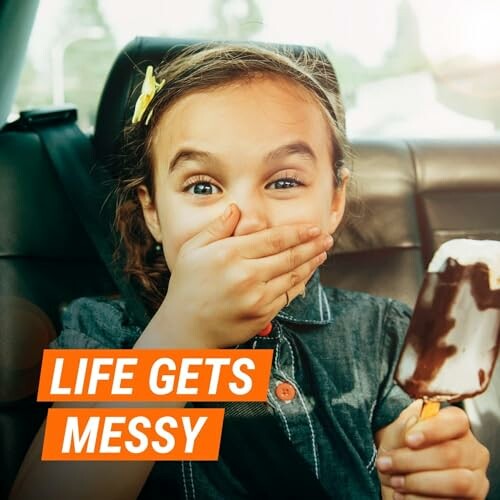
(408, 197)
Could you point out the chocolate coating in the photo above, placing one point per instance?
(432, 322)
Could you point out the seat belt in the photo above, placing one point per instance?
(253, 445)
(73, 157)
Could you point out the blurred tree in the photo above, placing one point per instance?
(351, 73)
(32, 91)
(86, 62)
(404, 57)
(235, 20)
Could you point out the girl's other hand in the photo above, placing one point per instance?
(435, 457)
(223, 290)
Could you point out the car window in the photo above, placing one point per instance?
(404, 71)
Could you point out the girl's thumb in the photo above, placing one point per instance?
(219, 228)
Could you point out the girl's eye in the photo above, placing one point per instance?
(201, 187)
(286, 183)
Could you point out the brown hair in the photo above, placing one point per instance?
(198, 68)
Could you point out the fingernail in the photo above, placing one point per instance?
(227, 212)
(415, 438)
(384, 463)
(397, 481)
(398, 496)
(314, 231)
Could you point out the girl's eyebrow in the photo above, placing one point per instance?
(295, 148)
(189, 155)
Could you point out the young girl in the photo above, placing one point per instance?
(235, 177)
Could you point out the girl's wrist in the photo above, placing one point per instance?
(166, 331)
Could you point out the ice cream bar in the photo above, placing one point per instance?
(452, 342)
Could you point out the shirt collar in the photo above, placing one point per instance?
(311, 309)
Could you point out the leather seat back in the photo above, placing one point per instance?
(379, 250)
(46, 260)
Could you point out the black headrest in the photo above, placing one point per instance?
(122, 87)
(124, 82)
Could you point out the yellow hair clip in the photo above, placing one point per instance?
(149, 88)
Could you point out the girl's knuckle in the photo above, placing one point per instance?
(227, 255)
(485, 488)
(292, 258)
(213, 231)
(463, 483)
(401, 461)
(253, 312)
(452, 454)
(256, 297)
(265, 312)
(244, 277)
(235, 278)
(294, 279)
(256, 300)
(485, 455)
(277, 243)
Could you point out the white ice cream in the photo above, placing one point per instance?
(467, 252)
(473, 332)
(474, 336)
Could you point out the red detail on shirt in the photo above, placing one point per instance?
(266, 330)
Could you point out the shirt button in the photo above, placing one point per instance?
(285, 391)
(266, 330)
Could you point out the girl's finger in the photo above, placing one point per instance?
(449, 423)
(274, 240)
(452, 454)
(289, 261)
(280, 301)
(288, 282)
(451, 483)
(218, 229)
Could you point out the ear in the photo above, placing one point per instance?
(338, 202)
(149, 212)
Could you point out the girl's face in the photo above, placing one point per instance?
(263, 145)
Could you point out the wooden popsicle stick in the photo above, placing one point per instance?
(429, 409)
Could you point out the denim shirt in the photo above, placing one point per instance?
(337, 349)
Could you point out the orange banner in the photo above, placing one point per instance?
(155, 375)
(132, 434)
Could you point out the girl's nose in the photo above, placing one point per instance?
(253, 218)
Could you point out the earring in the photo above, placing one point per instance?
(158, 248)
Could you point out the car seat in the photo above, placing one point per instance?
(409, 198)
